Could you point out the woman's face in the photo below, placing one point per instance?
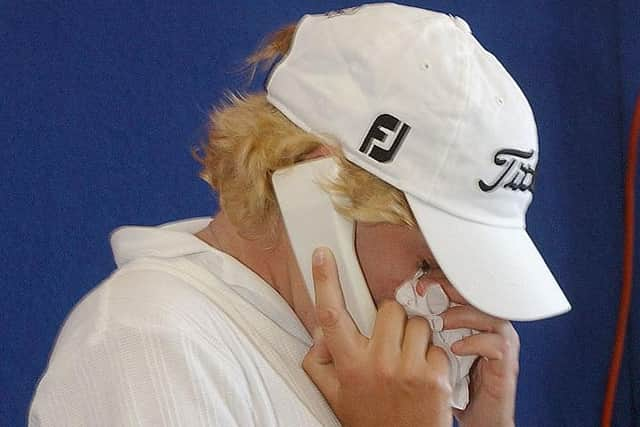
(389, 254)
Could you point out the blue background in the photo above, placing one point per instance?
(101, 103)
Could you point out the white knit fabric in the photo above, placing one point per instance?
(180, 335)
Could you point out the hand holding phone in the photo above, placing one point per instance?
(311, 221)
(396, 377)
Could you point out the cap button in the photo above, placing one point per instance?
(462, 24)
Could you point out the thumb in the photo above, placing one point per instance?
(318, 364)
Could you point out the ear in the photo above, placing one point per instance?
(321, 151)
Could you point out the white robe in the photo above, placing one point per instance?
(180, 334)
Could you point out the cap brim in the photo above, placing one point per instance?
(497, 270)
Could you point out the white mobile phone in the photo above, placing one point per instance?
(312, 221)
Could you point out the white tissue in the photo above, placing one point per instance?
(430, 306)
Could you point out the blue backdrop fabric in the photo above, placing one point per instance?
(630, 72)
(102, 102)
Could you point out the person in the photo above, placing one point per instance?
(208, 322)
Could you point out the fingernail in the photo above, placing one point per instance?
(318, 256)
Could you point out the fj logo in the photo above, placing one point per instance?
(516, 174)
(384, 127)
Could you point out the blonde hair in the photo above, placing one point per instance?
(248, 139)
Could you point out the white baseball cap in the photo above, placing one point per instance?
(413, 98)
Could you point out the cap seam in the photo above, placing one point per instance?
(436, 176)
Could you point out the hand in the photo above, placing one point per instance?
(393, 379)
(495, 374)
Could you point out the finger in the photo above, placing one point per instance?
(466, 316)
(388, 330)
(489, 345)
(438, 362)
(342, 336)
(417, 336)
(318, 364)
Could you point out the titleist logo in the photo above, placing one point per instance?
(516, 174)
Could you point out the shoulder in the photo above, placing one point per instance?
(144, 344)
(144, 300)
